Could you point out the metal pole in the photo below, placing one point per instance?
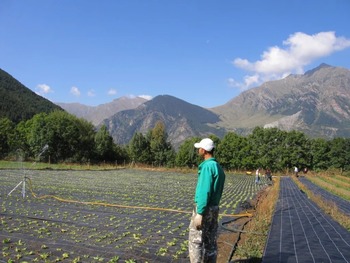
(15, 187)
(24, 187)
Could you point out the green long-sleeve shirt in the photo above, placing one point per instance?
(210, 184)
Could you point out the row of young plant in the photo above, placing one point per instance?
(45, 229)
(71, 139)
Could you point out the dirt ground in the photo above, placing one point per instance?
(228, 240)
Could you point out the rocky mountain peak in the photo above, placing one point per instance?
(316, 102)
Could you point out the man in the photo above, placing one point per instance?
(204, 222)
(268, 174)
(257, 176)
(296, 171)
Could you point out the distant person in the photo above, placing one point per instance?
(204, 222)
(296, 171)
(268, 174)
(257, 176)
(305, 170)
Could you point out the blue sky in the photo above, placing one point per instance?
(204, 52)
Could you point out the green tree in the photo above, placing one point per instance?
(257, 147)
(69, 138)
(295, 150)
(104, 145)
(319, 154)
(21, 139)
(339, 153)
(7, 130)
(248, 162)
(187, 154)
(121, 154)
(162, 152)
(229, 151)
(35, 132)
(271, 139)
(139, 149)
(85, 145)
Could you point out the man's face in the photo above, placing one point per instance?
(201, 152)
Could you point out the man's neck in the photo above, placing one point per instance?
(207, 156)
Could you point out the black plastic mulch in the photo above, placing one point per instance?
(301, 232)
(341, 203)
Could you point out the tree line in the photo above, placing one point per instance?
(72, 139)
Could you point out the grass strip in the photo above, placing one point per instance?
(331, 185)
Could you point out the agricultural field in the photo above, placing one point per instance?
(122, 215)
(302, 232)
(336, 184)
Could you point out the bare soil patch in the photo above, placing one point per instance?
(229, 240)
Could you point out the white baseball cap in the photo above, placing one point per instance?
(207, 144)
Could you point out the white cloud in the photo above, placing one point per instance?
(75, 91)
(299, 50)
(42, 89)
(91, 93)
(112, 92)
(251, 80)
(248, 81)
(146, 97)
(232, 83)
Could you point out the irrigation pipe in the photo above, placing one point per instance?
(240, 230)
(123, 206)
(234, 246)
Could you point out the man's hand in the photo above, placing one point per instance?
(197, 221)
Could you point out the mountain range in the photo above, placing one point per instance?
(96, 114)
(182, 120)
(316, 103)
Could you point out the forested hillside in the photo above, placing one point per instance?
(19, 103)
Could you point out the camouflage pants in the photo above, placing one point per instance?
(202, 243)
